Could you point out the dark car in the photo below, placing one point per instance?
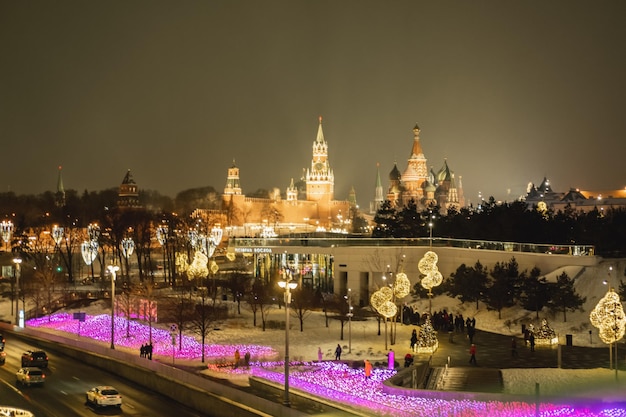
(2, 340)
(3, 357)
(37, 358)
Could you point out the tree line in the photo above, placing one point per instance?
(508, 222)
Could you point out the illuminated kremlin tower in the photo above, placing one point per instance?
(314, 206)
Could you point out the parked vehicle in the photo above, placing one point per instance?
(29, 376)
(37, 358)
(104, 396)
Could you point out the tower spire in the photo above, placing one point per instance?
(60, 194)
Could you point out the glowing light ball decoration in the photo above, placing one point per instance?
(198, 267)
(428, 267)
(608, 316)
(402, 286)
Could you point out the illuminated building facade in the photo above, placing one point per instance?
(306, 205)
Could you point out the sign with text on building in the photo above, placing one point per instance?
(253, 250)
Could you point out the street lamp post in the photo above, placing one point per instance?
(287, 284)
(18, 263)
(350, 314)
(113, 270)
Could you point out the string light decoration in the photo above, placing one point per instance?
(545, 335)
(428, 267)
(608, 317)
(382, 300)
(128, 247)
(402, 286)
(57, 234)
(6, 229)
(89, 250)
(427, 339)
(182, 262)
(198, 267)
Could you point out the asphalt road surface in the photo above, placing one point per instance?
(63, 393)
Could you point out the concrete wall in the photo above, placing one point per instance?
(373, 261)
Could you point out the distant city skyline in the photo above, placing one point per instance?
(508, 93)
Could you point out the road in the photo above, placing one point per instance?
(63, 393)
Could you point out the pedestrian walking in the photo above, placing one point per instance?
(413, 339)
(237, 358)
(470, 334)
(531, 340)
(320, 354)
(368, 369)
(246, 359)
(338, 352)
(142, 351)
(514, 348)
(472, 352)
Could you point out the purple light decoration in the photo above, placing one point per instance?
(99, 328)
(332, 380)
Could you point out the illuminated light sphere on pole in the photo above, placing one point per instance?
(18, 264)
(608, 316)
(402, 286)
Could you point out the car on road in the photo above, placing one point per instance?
(36, 358)
(2, 341)
(104, 396)
(3, 357)
(29, 376)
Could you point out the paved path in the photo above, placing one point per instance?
(493, 352)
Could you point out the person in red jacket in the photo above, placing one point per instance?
(472, 352)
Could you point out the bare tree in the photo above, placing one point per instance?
(180, 310)
(303, 300)
(259, 301)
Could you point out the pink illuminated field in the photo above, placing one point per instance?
(332, 380)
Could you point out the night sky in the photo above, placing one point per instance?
(507, 91)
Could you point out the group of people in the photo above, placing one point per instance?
(145, 351)
(246, 359)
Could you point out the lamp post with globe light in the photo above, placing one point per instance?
(113, 270)
(18, 264)
(288, 284)
(350, 315)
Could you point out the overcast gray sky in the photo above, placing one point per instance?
(507, 91)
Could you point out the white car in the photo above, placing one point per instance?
(29, 376)
(104, 396)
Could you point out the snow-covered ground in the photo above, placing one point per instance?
(239, 332)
